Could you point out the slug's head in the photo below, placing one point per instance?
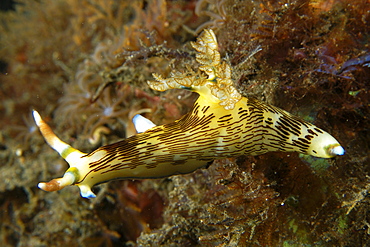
(78, 165)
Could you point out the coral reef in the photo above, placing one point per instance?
(85, 65)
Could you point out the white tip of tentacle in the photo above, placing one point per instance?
(142, 124)
(37, 117)
(86, 191)
(336, 150)
(42, 186)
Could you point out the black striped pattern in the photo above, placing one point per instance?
(200, 136)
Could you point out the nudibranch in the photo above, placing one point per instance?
(221, 124)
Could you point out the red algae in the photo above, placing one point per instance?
(85, 65)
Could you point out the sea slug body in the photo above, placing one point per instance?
(221, 124)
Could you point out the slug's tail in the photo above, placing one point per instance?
(335, 150)
(70, 154)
